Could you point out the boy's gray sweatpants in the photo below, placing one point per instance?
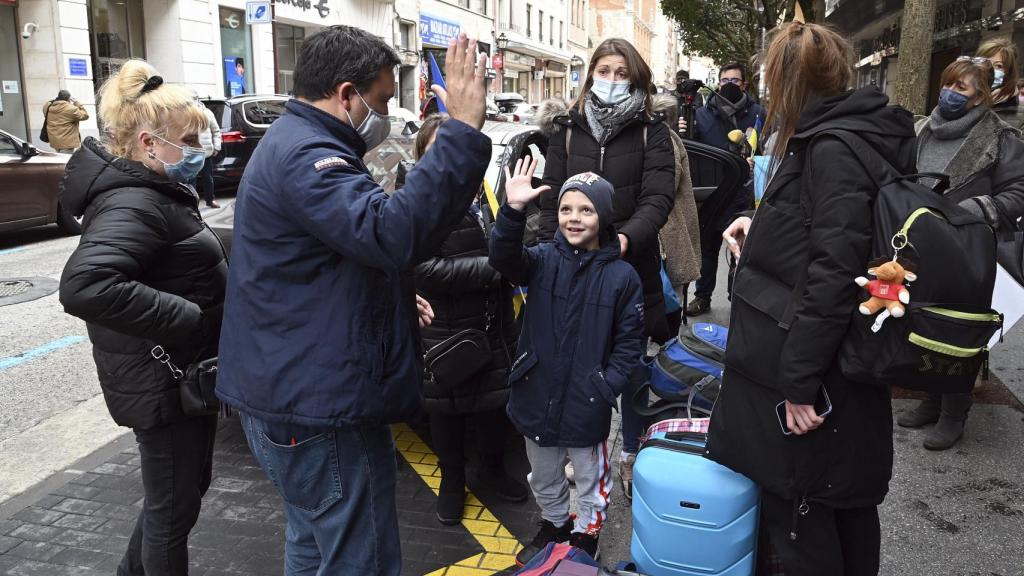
(551, 488)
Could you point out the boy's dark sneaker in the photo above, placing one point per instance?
(698, 306)
(548, 533)
(585, 542)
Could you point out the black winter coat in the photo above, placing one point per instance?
(814, 223)
(582, 333)
(643, 175)
(147, 272)
(465, 292)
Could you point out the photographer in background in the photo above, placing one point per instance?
(689, 100)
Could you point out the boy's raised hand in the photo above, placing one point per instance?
(519, 190)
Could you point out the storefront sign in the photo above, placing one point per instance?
(10, 86)
(321, 6)
(78, 67)
(255, 13)
(538, 74)
(520, 59)
(555, 66)
(498, 61)
(437, 31)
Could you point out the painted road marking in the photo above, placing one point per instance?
(12, 361)
(500, 546)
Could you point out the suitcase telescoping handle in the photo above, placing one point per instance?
(684, 436)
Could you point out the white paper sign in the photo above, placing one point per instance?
(1007, 298)
(10, 86)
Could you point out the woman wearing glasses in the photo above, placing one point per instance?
(1002, 52)
(964, 139)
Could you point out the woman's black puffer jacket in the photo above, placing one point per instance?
(638, 159)
(147, 271)
(465, 292)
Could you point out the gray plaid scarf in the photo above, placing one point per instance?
(603, 118)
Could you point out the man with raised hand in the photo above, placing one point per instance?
(320, 349)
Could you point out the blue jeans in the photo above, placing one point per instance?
(338, 485)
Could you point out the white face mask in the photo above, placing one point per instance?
(374, 129)
(999, 78)
(610, 92)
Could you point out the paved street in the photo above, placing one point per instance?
(70, 490)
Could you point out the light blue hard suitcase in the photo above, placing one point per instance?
(691, 516)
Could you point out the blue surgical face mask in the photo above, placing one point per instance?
(952, 104)
(610, 92)
(1000, 77)
(186, 169)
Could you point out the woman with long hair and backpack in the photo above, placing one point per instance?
(822, 474)
(966, 140)
(613, 131)
(149, 275)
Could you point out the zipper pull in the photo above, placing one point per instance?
(600, 162)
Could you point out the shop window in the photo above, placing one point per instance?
(289, 43)
(408, 36)
(236, 52)
(529, 20)
(540, 25)
(551, 30)
(117, 35)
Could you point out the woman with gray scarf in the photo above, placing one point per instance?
(613, 131)
(965, 140)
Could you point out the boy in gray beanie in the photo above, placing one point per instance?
(582, 337)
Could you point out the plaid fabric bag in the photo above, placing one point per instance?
(677, 425)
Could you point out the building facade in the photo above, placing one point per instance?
(211, 46)
(875, 27)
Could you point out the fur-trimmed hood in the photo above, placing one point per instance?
(982, 148)
(547, 112)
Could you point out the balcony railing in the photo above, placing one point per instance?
(506, 27)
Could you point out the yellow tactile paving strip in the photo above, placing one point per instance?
(500, 546)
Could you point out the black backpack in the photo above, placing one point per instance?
(942, 341)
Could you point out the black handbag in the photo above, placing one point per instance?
(457, 359)
(1010, 249)
(44, 135)
(197, 383)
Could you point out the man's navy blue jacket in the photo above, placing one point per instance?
(320, 321)
(713, 127)
(582, 335)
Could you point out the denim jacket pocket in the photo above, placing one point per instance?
(306, 473)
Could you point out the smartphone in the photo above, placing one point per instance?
(822, 407)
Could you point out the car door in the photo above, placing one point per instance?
(22, 203)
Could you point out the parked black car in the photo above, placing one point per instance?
(243, 121)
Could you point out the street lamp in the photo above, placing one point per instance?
(499, 77)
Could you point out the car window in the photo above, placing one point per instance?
(263, 112)
(221, 112)
(8, 147)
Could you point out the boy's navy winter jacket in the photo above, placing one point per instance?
(582, 334)
(320, 322)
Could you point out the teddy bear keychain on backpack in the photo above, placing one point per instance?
(888, 292)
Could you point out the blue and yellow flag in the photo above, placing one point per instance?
(435, 72)
(755, 134)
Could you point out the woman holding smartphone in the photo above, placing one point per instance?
(822, 473)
